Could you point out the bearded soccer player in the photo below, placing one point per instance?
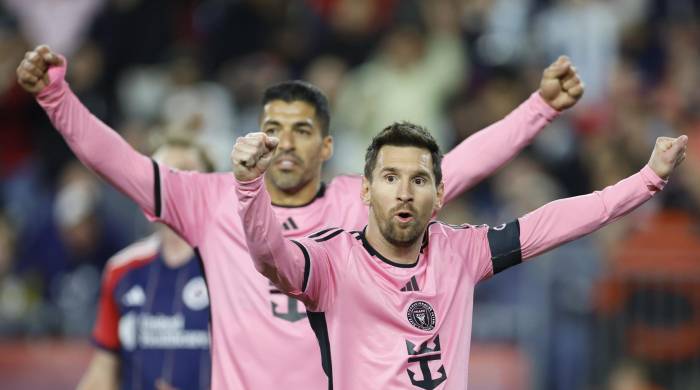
(260, 337)
(391, 304)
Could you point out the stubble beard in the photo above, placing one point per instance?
(398, 236)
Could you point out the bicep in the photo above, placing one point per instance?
(495, 249)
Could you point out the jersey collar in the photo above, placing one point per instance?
(321, 192)
(370, 249)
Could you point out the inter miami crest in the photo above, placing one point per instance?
(421, 315)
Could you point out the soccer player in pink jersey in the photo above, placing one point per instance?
(391, 304)
(260, 337)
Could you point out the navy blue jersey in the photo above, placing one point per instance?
(156, 318)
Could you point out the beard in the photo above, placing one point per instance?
(400, 234)
(289, 181)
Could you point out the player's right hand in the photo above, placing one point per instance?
(252, 154)
(32, 72)
(561, 87)
(668, 153)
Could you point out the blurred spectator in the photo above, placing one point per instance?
(409, 78)
(202, 108)
(586, 30)
(62, 24)
(19, 302)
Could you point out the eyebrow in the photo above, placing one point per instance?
(418, 172)
(272, 122)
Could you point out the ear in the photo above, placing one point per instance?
(327, 148)
(364, 192)
(440, 196)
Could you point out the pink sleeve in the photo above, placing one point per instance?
(181, 200)
(487, 150)
(287, 263)
(565, 220)
(188, 201)
(278, 259)
(96, 145)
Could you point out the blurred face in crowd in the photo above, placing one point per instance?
(302, 148)
(180, 157)
(402, 193)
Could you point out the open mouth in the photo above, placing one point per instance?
(286, 162)
(404, 216)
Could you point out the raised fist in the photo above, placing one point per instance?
(561, 86)
(251, 155)
(32, 72)
(668, 153)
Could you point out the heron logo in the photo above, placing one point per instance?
(421, 315)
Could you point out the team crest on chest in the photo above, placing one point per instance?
(421, 315)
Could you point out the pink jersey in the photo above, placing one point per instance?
(385, 325)
(260, 337)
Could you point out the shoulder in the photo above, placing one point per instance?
(331, 233)
(343, 183)
(442, 229)
(332, 239)
(135, 255)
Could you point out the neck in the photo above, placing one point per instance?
(295, 198)
(176, 251)
(399, 254)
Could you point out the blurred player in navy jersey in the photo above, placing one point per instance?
(152, 327)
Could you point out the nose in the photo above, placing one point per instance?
(286, 140)
(405, 193)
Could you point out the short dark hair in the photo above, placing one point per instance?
(297, 90)
(404, 134)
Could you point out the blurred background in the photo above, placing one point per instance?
(618, 310)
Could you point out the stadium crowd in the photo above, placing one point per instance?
(152, 68)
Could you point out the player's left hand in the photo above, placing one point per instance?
(561, 86)
(252, 154)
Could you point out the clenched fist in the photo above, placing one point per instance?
(251, 155)
(561, 86)
(32, 72)
(668, 153)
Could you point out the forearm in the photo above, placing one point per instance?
(96, 145)
(565, 220)
(487, 150)
(102, 373)
(277, 258)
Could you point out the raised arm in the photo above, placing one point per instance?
(568, 219)
(280, 260)
(487, 150)
(183, 200)
(97, 146)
